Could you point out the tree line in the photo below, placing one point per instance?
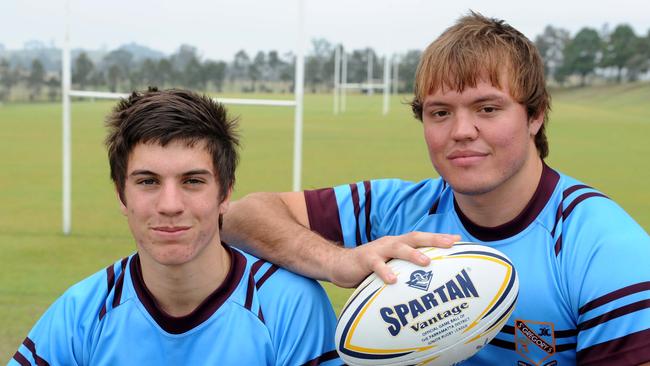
(617, 55)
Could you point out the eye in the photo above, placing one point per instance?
(439, 114)
(146, 181)
(194, 181)
(488, 109)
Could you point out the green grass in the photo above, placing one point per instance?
(597, 135)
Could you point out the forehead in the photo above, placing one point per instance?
(483, 90)
(171, 158)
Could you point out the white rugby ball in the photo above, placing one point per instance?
(435, 315)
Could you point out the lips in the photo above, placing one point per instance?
(465, 154)
(466, 158)
(170, 229)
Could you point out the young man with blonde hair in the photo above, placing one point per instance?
(582, 261)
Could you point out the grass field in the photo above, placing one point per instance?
(599, 135)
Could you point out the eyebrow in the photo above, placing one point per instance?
(433, 103)
(490, 98)
(145, 172)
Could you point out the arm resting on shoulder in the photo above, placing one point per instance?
(275, 226)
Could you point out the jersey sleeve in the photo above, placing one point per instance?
(354, 214)
(53, 340)
(63, 334)
(606, 260)
(300, 320)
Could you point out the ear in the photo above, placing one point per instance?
(122, 203)
(535, 123)
(225, 204)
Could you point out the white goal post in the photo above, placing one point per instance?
(67, 93)
(341, 84)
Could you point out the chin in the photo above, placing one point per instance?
(469, 188)
(172, 255)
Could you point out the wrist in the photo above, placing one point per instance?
(335, 259)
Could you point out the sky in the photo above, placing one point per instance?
(218, 28)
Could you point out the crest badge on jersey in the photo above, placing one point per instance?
(535, 341)
(420, 279)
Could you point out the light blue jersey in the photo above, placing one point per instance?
(260, 315)
(583, 263)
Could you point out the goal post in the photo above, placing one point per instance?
(67, 93)
(341, 84)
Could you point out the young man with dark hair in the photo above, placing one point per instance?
(173, 155)
(583, 263)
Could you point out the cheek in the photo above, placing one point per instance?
(503, 140)
(511, 143)
(433, 139)
(139, 212)
(207, 210)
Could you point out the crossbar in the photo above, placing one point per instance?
(239, 101)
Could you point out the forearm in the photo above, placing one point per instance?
(263, 225)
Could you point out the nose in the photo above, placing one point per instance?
(170, 200)
(464, 127)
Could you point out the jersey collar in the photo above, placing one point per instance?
(178, 325)
(545, 188)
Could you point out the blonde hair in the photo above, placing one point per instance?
(479, 48)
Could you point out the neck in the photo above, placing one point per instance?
(180, 289)
(506, 202)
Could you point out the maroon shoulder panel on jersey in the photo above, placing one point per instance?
(323, 213)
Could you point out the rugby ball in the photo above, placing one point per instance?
(435, 315)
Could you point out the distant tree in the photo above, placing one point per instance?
(240, 66)
(7, 79)
(53, 88)
(257, 69)
(407, 67)
(36, 79)
(562, 73)
(82, 71)
(582, 53)
(274, 64)
(120, 58)
(215, 72)
(149, 72)
(639, 63)
(312, 73)
(358, 65)
(183, 56)
(118, 63)
(551, 44)
(98, 78)
(287, 70)
(165, 73)
(135, 78)
(620, 48)
(193, 74)
(323, 51)
(113, 76)
(186, 67)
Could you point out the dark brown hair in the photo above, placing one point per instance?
(172, 115)
(478, 48)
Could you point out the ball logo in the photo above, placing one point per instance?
(420, 279)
